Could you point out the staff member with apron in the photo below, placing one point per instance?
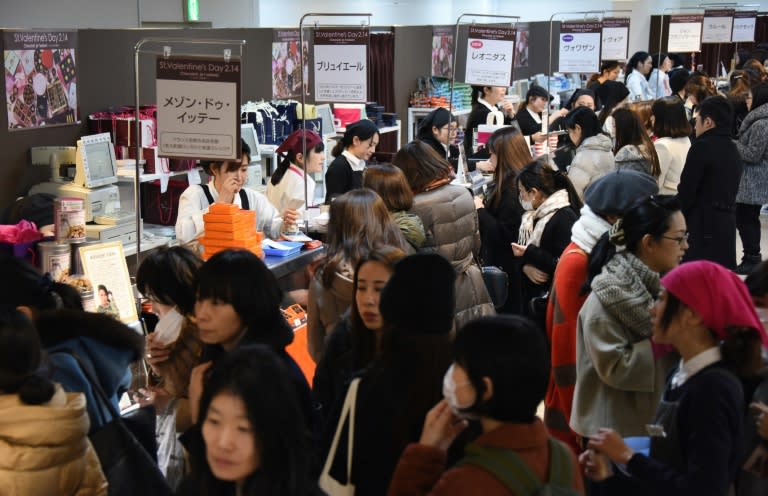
(227, 186)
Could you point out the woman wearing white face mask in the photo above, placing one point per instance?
(499, 376)
(166, 278)
(552, 206)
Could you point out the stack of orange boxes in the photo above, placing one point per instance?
(227, 226)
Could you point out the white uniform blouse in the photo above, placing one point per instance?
(291, 186)
(193, 205)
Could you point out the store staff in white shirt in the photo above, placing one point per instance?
(287, 182)
(638, 68)
(227, 186)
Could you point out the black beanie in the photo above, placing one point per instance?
(419, 297)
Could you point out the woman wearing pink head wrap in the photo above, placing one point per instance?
(705, 312)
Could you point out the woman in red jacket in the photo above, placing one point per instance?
(498, 376)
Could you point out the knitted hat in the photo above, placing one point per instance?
(419, 296)
(718, 295)
(437, 118)
(616, 191)
(293, 141)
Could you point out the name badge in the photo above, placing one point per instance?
(655, 430)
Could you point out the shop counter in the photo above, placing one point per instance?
(282, 267)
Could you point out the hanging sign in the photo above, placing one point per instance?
(615, 38)
(442, 51)
(40, 78)
(685, 33)
(341, 65)
(198, 108)
(744, 27)
(718, 25)
(490, 51)
(580, 47)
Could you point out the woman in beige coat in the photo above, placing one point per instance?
(44, 446)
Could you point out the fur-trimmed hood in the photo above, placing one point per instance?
(56, 327)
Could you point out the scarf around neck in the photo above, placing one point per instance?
(627, 288)
(535, 221)
(588, 229)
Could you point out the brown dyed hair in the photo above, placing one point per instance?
(643, 112)
(390, 183)
(670, 119)
(740, 85)
(512, 154)
(421, 165)
(699, 87)
(630, 131)
(359, 222)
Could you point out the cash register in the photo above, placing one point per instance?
(92, 177)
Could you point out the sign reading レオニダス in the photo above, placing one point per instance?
(490, 51)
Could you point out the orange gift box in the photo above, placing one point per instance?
(223, 208)
(232, 243)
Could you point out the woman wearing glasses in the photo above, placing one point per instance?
(438, 129)
(619, 379)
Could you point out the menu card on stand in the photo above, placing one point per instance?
(580, 47)
(744, 27)
(490, 51)
(341, 65)
(615, 38)
(718, 25)
(685, 33)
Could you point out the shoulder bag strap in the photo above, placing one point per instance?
(208, 194)
(560, 473)
(347, 412)
(505, 465)
(244, 200)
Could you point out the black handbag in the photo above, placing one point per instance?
(127, 466)
(497, 284)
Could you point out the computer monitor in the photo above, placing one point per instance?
(95, 161)
(248, 132)
(326, 116)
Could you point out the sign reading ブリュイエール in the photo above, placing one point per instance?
(341, 65)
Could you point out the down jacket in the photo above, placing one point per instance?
(753, 147)
(594, 158)
(452, 230)
(44, 449)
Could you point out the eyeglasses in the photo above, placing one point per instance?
(680, 239)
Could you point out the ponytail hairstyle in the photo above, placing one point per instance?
(363, 130)
(630, 131)
(477, 93)
(632, 64)
(650, 215)
(540, 175)
(606, 66)
(20, 356)
(292, 147)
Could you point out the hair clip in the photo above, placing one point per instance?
(616, 233)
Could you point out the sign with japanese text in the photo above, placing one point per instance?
(286, 63)
(490, 51)
(718, 25)
(685, 33)
(40, 78)
(580, 47)
(198, 108)
(615, 38)
(442, 51)
(341, 65)
(744, 27)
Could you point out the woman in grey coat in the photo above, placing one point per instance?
(450, 223)
(753, 189)
(594, 157)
